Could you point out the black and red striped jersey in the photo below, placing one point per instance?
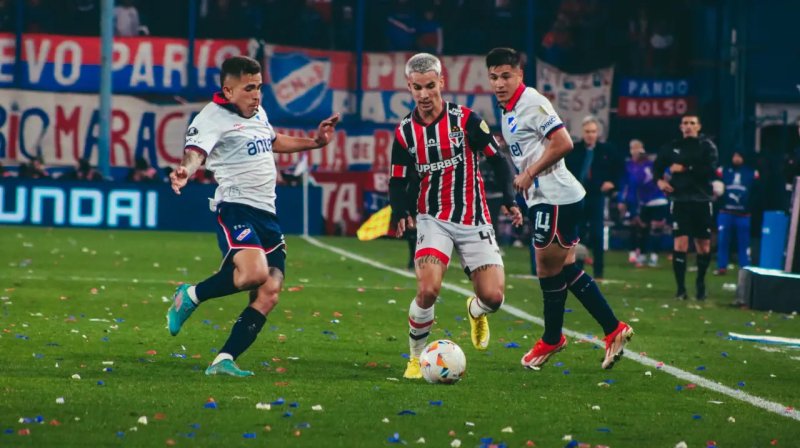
(444, 155)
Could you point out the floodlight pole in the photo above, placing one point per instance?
(106, 48)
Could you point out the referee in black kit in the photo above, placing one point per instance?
(685, 168)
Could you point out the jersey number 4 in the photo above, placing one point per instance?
(542, 221)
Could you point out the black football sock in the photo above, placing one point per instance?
(585, 289)
(679, 268)
(218, 285)
(554, 290)
(244, 332)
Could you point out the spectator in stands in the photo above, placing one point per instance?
(734, 213)
(5, 173)
(38, 17)
(34, 169)
(127, 22)
(644, 205)
(314, 26)
(599, 168)
(82, 18)
(7, 16)
(83, 171)
(142, 172)
(429, 33)
(222, 21)
(400, 30)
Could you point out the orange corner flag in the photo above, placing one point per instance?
(376, 226)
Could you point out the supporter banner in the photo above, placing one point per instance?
(139, 64)
(348, 198)
(135, 206)
(576, 95)
(654, 98)
(65, 127)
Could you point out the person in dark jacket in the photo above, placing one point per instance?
(692, 163)
(599, 168)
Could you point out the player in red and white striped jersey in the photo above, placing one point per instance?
(437, 146)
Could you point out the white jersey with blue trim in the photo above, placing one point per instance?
(239, 153)
(527, 122)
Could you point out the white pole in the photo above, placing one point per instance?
(305, 197)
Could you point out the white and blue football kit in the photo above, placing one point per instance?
(239, 153)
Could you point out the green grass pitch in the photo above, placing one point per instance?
(90, 305)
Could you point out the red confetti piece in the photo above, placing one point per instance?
(372, 364)
(93, 291)
(55, 422)
(151, 352)
(773, 442)
(452, 433)
(295, 288)
(360, 289)
(530, 443)
(281, 370)
(691, 386)
(337, 314)
(27, 432)
(160, 416)
(297, 433)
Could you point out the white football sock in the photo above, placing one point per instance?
(193, 295)
(221, 357)
(420, 321)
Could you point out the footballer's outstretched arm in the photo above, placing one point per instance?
(193, 157)
(288, 144)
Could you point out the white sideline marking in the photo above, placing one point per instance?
(770, 406)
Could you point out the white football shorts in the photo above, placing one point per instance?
(476, 245)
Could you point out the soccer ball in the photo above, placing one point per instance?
(443, 362)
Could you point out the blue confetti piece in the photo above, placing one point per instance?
(278, 402)
(486, 440)
(100, 383)
(38, 355)
(327, 332)
(179, 355)
(39, 419)
(119, 320)
(448, 334)
(740, 384)
(206, 321)
(294, 404)
(459, 318)
(697, 416)
(287, 414)
(120, 434)
(107, 369)
(195, 425)
(210, 405)
(104, 339)
(9, 431)
(558, 364)
(567, 310)
(190, 435)
(609, 381)
(406, 412)
(724, 354)
(435, 403)
(719, 333)
(512, 345)
(265, 363)
(215, 327)
(571, 444)
(395, 438)
(701, 368)
(249, 435)
(405, 355)
(303, 425)
(566, 372)
(750, 324)
(213, 350)
(603, 429)
(22, 336)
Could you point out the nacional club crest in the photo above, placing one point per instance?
(298, 83)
